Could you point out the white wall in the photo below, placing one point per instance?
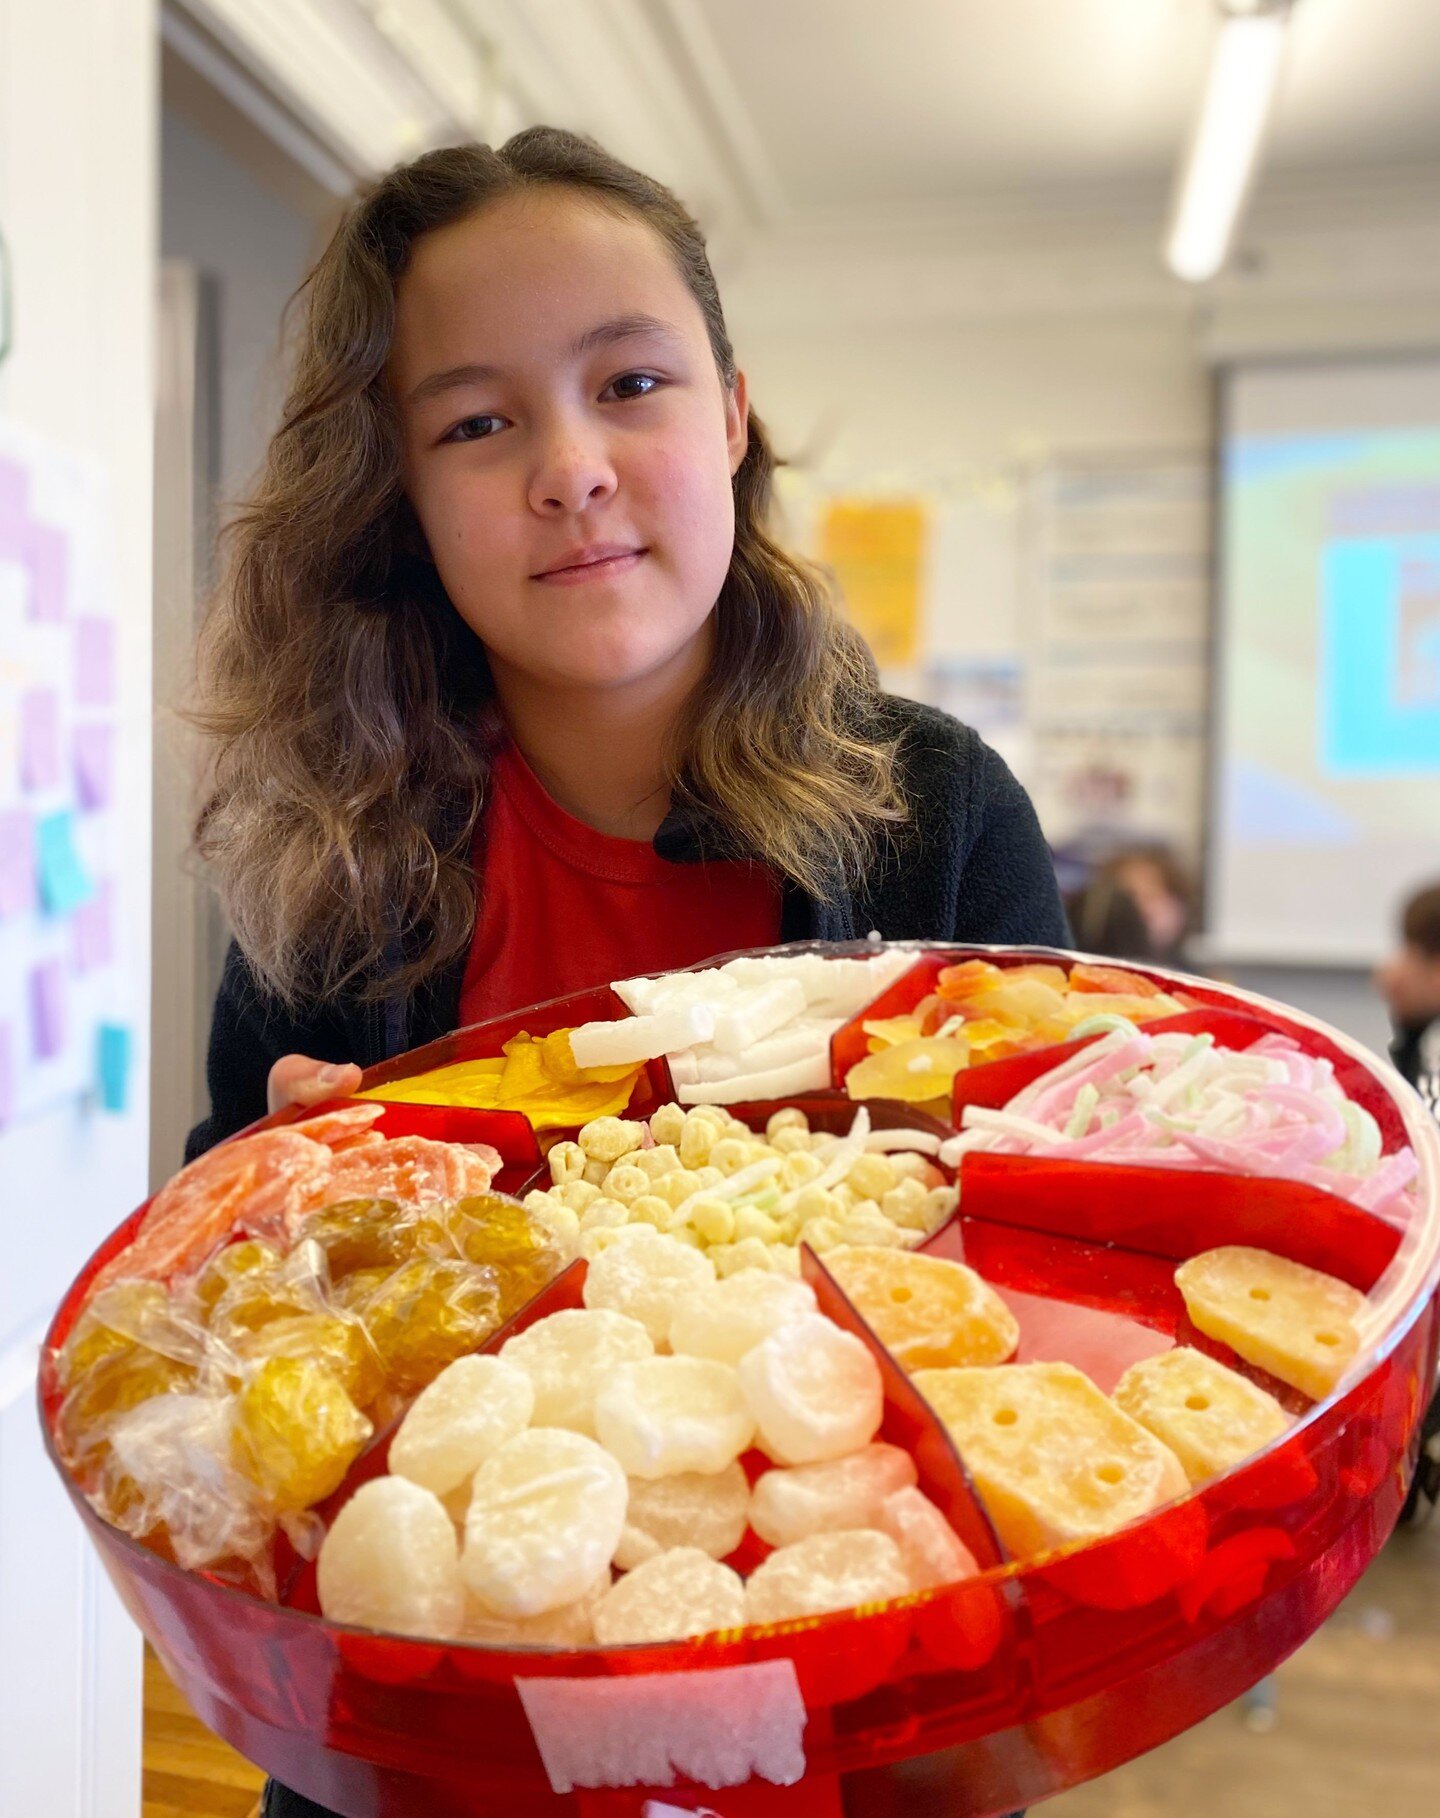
(77, 207)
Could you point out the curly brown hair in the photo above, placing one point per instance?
(343, 701)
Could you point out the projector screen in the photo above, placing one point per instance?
(1326, 731)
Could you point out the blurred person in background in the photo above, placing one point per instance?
(1137, 904)
(1409, 981)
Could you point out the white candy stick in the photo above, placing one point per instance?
(886, 1142)
(640, 1038)
(751, 1015)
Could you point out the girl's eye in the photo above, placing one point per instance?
(645, 378)
(462, 431)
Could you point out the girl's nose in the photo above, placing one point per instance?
(573, 472)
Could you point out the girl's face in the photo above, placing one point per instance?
(557, 396)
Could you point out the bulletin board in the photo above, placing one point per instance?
(66, 1014)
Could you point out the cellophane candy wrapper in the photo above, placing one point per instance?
(202, 1413)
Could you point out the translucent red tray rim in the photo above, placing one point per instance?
(749, 1638)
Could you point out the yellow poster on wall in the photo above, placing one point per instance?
(876, 548)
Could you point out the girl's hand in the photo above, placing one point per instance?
(295, 1079)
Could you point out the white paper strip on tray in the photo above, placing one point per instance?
(718, 1727)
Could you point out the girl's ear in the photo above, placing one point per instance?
(737, 420)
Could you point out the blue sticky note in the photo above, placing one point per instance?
(63, 881)
(114, 1063)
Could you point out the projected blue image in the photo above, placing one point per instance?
(1380, 618)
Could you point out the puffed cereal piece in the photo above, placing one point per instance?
(645, 1275)
(713, 1220)
(727, 1318)
(577, 1194)
(470, 1410)
(678, 1185)
(730, 1155)
(815, 1391)
(791, 1117)
(791, 1141)
(608, 1138)
(626, 1182)
(604, 1213)
(705, 1509)
(672, 1414)
(906, 1204)
(823, 1573)
(567, 1162)
(790, 1503)
(656, 1162)
(596, 1174)
(798, 1169)
(568, 1354)
(390, 1561)
(872, 1176)
(545, 1514)
(932, 1552)
(668, 1124)
(678, 1593)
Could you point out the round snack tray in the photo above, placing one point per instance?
(995, 1692)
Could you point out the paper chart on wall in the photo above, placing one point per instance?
(1119, 682)
(65, 1016)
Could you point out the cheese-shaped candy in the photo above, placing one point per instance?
(1054, 1460)
(929, 1313)
(1288, 1319)
(1209, 1415)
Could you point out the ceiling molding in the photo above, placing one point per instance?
(602, 67)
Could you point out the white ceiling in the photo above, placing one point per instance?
(859, 103)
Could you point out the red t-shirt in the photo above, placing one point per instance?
(563, 907)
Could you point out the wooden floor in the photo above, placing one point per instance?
(1357, 1731)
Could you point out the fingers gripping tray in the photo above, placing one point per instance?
(1034, 1673)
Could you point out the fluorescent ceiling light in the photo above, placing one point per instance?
(1224, 152)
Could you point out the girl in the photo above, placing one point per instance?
(508, 690)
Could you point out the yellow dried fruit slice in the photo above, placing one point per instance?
(1293, 1321)
(1054, 1460)
(930, 1313)
(1209, 1415)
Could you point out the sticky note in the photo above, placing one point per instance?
(94, 662)
(94, 754)
(64, 884)
(17, 862)
(7, 1075)
(14, 489)
(92, 929)
(47, 557)
(114, 1066)
(47, 1009)
(39, 738)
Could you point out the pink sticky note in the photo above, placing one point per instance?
(47, 556)
(94, 754)
(94, 662)
(40, 739)
(92, 929)
(7, 1075)
(47, 1009)
(17, 862)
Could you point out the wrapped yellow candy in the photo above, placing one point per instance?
(296, 1432)
(428, 1313)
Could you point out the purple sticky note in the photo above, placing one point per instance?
(14, 496)
(94, 752)
(40, 739)
(17, 862)
(94, 662)
(47, 556)
(7, 1075)
(47, 1009)
(92, 929)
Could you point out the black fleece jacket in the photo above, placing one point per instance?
(972, 867)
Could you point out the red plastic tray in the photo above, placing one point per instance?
(1021, 1682)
